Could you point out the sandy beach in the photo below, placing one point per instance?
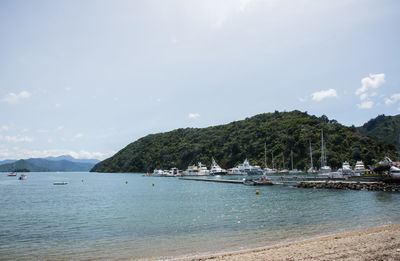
(381, 243)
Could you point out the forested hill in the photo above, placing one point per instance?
(230, 144)
(383, 128)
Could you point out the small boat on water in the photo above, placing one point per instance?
(22, 177)
(60, 183)
(159, 173)
(262, 181)
(13, 174)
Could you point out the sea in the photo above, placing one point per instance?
(103, 216)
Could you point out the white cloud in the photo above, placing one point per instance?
(78, 136)
(373, 81)
(68, 89)
(366, 105)
(16, 139)
(59, 128)
(193, 115)
(58, 105)
(15, 98)
(319, 96)
(364, 96)
(393, 99)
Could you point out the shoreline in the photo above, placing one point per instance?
(375, 243)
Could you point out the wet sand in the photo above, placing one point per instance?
(381, 243)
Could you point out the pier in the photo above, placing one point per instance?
(236, 181)
(351, 185)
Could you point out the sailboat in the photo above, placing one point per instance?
(283, 171)
(266, 169)
(311, 170)
(324, 168)
(293, 171)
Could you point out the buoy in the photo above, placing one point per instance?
(257, 192)
(152, 184)
(126, 182)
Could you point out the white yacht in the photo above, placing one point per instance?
(159, 173)
(346, 169)
(216, 169)
(324, 168)
(246, 168)
(359, 168)
(199, 170)
(235, 171)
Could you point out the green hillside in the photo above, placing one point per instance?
(383, 128)
(22, 164)
(43, 165)
(230, 144)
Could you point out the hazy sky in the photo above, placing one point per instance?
(86, 78)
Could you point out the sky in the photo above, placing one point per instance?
(86, 78)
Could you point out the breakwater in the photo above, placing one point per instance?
(353, 185)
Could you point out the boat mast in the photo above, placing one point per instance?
(291, 156)
(311, 157)
(322, 149)
(265, 155)
(273, 165)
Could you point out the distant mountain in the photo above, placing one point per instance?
(232, 143)
(52, 164)
(22, 164)
(6, 161)
(72, 159)
(383, 128)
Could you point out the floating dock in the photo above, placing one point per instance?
(236, 181)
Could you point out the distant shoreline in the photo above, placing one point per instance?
(368, 244)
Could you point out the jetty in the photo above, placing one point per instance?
(235, 181)
(351, 185)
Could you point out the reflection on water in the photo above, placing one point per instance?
(104, 217)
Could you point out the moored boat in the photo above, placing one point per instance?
(159, 173)
(60, 183)
(359, 168)
(13, 174)
(324, 167)
(216, 169)
(248, 169)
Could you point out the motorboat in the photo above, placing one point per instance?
(262, 181)
(246, 168)
(235, 171)
(13, 174)
(22, 177)
(60, 183)
(359, 168)
(394, 172)
(199, 170)
(216, 169)
(346, 169)
(159, 173)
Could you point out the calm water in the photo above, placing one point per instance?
(103, 217)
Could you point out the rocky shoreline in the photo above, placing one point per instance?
(351, 185)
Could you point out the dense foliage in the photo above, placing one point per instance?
(383, 128)
(230, 144)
